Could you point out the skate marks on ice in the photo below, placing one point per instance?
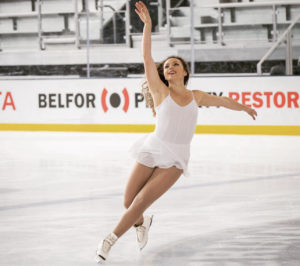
(61, 193)
(267, 244)
(118, 193)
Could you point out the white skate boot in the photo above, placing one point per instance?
(104, 247)
(142, 231)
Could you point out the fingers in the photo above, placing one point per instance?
(142, 12)
(138, 12)
(253, 113)
(141, 7)
(140, 4)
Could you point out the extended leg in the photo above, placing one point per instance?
(160, 181)
(138, 178)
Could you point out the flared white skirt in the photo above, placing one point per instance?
(152, 151)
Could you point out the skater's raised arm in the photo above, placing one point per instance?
(152, 76)
(205, 99)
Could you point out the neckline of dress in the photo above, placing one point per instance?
(181, 105)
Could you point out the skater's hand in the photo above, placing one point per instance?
(143, 12)
(251, 112)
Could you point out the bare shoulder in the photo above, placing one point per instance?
(198, 95)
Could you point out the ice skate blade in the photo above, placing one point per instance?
(99, 259)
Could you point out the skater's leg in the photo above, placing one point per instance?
(160, 181)
(138, 178)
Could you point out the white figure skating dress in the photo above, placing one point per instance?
(169, 144)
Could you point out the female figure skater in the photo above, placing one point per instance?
(162, 156)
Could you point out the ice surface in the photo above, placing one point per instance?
(61, 193)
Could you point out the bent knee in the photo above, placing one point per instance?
(140, 202)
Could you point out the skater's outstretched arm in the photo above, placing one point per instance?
(205, 99)
(154, 82)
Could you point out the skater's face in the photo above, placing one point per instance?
(174, 70)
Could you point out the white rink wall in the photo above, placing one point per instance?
(118, 102)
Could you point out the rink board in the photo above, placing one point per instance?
(117, 105)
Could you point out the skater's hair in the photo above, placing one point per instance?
(160, 69)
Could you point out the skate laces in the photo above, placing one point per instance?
(140, 232)
(107, 243)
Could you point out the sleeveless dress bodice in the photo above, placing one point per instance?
(176, 123)
(169, 144)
